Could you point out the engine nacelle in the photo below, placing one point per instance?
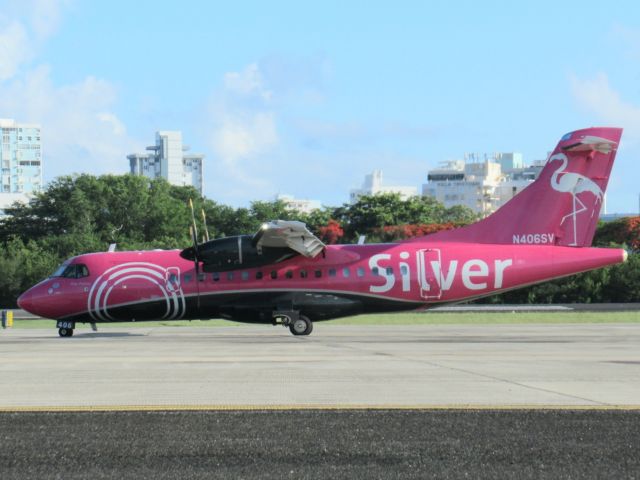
(232, 253)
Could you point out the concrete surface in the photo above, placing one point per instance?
(337, 366)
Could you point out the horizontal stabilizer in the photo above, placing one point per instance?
(591, 143)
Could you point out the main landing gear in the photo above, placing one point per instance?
(298, 324)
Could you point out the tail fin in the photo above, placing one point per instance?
(562, 206)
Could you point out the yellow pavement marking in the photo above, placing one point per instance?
(223, 408)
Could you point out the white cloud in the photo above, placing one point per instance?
(80, 132)
(244, 135)
(597, 96)
(45, 15)
(15, 49)
(246, 83)
(243, 130)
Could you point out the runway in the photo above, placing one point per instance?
(338, 367)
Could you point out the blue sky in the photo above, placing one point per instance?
(305, 99)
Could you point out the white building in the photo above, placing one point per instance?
(21, 162)
(373, 185)
(483, 186)
(167, 159)
(299, 205)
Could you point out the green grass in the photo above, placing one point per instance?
(458, 318)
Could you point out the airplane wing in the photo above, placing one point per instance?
(288, 233)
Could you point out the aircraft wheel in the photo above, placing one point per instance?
(65, 332)
(302, 326)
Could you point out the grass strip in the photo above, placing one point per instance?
(453, 318)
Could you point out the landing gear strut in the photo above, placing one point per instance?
(298, 324)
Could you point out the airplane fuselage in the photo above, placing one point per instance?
(344, 280)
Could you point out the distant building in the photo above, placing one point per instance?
(167, 159)
(21, 161)
(483, 185)
(299, 205)
(373, 185)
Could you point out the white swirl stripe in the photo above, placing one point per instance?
(141, 273)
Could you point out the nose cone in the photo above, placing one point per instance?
(34, 301)
(25, 301)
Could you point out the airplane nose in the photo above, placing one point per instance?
(25, 301)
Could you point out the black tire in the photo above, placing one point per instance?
(65, 332)
(302, 326)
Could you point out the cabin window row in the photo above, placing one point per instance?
(291, 274)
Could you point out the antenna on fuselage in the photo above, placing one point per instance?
(361, 239)
(204, 221)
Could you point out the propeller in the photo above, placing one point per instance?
(193, 230)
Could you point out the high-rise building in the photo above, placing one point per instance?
(299, 204)
(21, 162)
(484, 184)
(167, 159)
(372, 185)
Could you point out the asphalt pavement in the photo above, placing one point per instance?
(360, 444)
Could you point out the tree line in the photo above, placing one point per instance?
(85, 213)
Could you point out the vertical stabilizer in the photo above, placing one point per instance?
(562, 206)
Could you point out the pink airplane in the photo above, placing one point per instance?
(285, 275)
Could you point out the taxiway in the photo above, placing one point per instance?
(492, 366)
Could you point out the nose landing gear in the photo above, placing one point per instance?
(65, 329)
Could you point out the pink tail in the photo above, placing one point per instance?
(562, 206)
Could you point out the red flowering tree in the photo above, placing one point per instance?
(393, 233)
(622, 231)
(331, 233)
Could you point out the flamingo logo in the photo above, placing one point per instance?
(574, 184)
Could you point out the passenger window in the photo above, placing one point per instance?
(404, 270)
(360, 272)
(375, 271)
(318, 273)
(202, 277)
(216, 276)
(274, 274)
(245, 275)
(303, 274)
(258, 275)
(346, 272)
(229, 276)
(332, 272)
(389, 270)
(187, 278)
(289, 274)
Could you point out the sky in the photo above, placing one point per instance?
(306, 98)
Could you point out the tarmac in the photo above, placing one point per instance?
(445, 401)
(443, 366)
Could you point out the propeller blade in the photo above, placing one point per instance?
(193, 221)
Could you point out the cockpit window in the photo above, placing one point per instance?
(77, 270)
(60, 270)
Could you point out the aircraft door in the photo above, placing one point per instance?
(430, 286)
